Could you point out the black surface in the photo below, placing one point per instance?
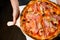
(11, 33)
(23, 2)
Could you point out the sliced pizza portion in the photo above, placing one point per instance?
(41, 20)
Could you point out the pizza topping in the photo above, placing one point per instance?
(57, 17)
(23, 20)
(48, 18)
(33, 26)
(30, 16)
(55, 24)
(54, 13)
(43, 14)
(51, 25)
(34, 8)
(28, 21)
(59, 14)
(41, 32)
(46, 32)
(30, 9)
(52, 29)
(46, 3)
(54, 21)
(34, 30)
(38, 6)
(46, 23)
(43, 4)
(28, 26)
(42, 10)
(39, 26)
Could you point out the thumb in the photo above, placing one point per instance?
(14, 20)
(15, 17)
(10, 23)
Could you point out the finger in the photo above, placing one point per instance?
(10, 23)
(14, 20)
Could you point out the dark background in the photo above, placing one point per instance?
(12, 32)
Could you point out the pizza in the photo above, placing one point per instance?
(41, 20)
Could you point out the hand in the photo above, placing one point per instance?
(16, 11)
(15, 15)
